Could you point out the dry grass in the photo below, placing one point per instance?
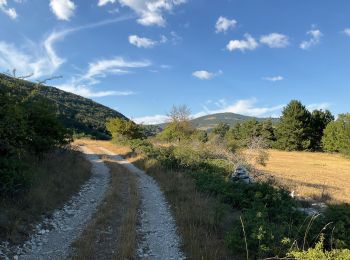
(320, 176)
(201, 219)
(111, 234)
(56, 178)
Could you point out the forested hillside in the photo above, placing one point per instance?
(78, 113)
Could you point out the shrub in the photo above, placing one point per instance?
(318, 252)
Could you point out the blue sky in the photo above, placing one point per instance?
(142, 57)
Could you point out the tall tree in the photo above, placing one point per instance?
(294, 129)
(319, 120)
(179, 127)
(336, 136)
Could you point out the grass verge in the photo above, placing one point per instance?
(202, 220)
(56, 178)
(111, 234)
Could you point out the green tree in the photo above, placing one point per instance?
(319, 120)
(124, 130)
(268, 132)
(221, 129)
(179, 127)
(294, 129)
(336, 136)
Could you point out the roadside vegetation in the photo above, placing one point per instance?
(255, 221)
(39, 171)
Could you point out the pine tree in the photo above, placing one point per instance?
(319, 120)
(294, 129)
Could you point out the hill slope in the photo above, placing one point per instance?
(209, 121)
(76, 112)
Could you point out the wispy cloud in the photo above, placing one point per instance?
(248, 44)
(151, 120)
(87, 91)
(346, 31)
(206, 75)
(83, 84)
(223, 24)
(275, 40)
(315, 38)
(63, 9)
(41, 59)
(318, 106)
(10, 12)
(274, 78)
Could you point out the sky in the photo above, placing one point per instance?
(141, 57)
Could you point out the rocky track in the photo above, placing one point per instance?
(158, 237)
(52, 238)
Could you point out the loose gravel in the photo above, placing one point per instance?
(52, 238)
(157, 229)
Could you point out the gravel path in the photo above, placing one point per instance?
(53, 237)
(157, 229)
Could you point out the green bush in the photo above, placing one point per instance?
(27, 126)
(318, 252)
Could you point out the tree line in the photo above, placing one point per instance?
(297, 130)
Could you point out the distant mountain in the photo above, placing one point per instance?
(210, 121)
(76, 112)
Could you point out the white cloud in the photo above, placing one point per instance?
(275, 40)
(315, 39)
(346, 31)
(141, 42)
(40, 60)
(11, 12)
(274, 78)
(205, 75)
(86, 91)
(116, 65)
(150, 120)
(150, 12)
(63, 9)
(223, 24)
(318, 106)
(247, 107)
(104, 2)
(248, 44)
(82, 84)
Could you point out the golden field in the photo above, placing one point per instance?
(321, 176)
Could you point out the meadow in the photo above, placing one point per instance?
(320, 176)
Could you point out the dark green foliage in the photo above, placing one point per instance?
(123, 130)
(319, 120)
(337, 135)
(80, 114)
(294, 129)
(221, 129)
(339, 217)
(242, 133)
(27, 125)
